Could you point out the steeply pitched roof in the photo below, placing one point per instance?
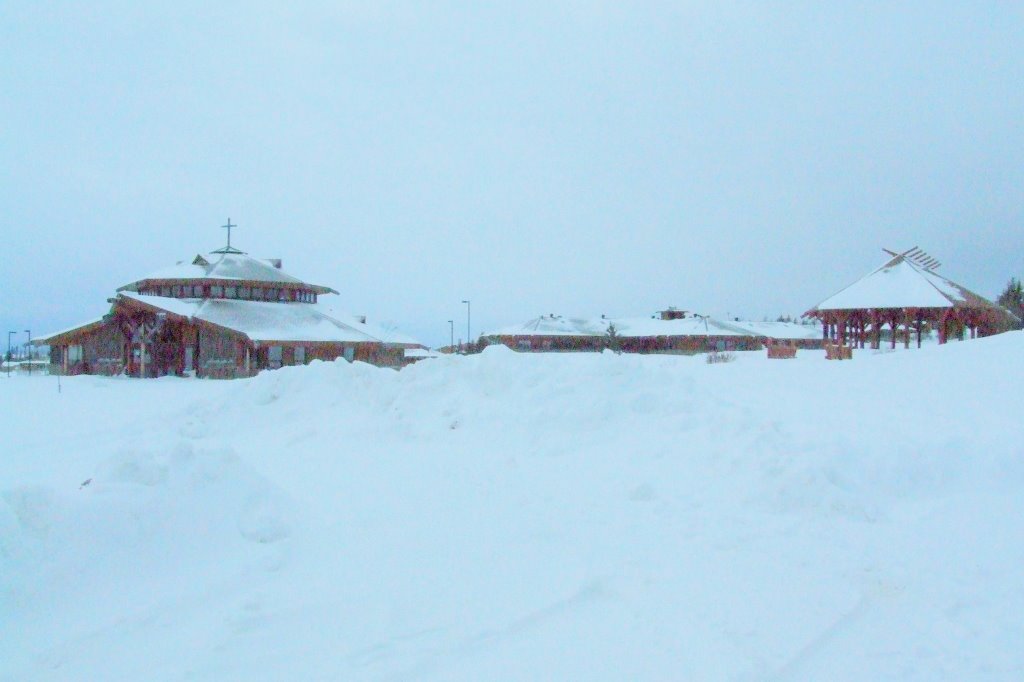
(901, 283)
(226, 266)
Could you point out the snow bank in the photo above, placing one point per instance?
(521, 516)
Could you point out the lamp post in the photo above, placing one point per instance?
(29, 349)
(451, 330)
(9, 335)
(468, 337)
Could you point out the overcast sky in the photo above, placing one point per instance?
(581, 158)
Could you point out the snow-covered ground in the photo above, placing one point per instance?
(521, 517)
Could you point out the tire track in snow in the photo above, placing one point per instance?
(432, 661)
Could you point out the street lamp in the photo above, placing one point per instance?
(29, 349)
(451, 329)
(9, 335)
(468, 337)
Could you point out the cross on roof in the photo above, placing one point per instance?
(228, 248)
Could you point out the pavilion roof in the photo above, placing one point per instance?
(226, 266)
(903, 283)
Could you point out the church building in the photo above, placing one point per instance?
(221, 315)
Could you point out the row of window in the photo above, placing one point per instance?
(231, 291)
(275, 355)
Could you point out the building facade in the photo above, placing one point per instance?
(671, 331)
(220, 315)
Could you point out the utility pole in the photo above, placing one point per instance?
(29, 348)
(451, 330)
(468, 335)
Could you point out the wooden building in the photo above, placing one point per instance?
(222, 315)
(904, 299)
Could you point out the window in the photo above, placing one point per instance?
(74, 353)
(274, 356)
(165, 292)
(197, 292)
(271, 294)
(231, 292)
(350, 353)
(245, 292)
(176, 291)
(300, 355)
(217, 292)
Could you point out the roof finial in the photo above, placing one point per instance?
(228, 248)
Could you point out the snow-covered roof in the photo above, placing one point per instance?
(44, 339)
(901, 283)
(626, 327)
(225, 266)
(267, 321)
(420, 353)
(555, 325)
(783, 330)
(382, 330)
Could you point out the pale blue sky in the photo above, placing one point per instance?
(580, 158)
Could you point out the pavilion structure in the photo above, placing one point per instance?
(908, 296)
(224, 314)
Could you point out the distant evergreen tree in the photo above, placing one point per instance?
(1012, 298)
(612, 340)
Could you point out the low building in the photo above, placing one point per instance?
(669, 331)
(220, 315)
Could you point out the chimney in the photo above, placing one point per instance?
(361, 318)
(276, 262)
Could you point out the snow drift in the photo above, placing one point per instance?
(516, 516)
